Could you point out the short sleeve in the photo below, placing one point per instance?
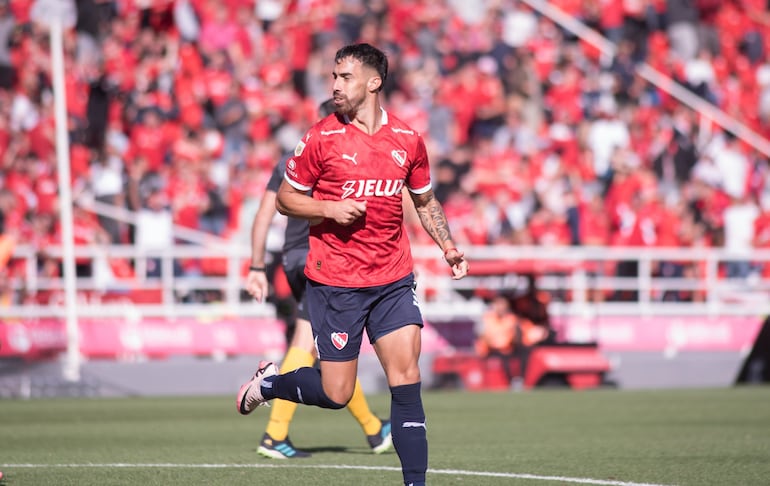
(304, 166)
(418, 179)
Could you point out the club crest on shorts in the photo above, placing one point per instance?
(399, 156)
(339, 339)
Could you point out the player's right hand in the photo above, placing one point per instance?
(257, 286)
(456, 259)
(345, 212)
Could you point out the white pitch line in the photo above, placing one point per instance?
(456, 472)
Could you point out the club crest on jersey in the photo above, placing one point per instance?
(339, 339)
(299, 148)
(399, 156)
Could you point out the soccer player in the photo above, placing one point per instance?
(359, 267)
(275, 442)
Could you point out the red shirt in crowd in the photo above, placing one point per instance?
(47, 192)
(594, 228)
(188, 195)
(549, 229)
(149, 141)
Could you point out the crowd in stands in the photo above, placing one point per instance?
(178, 109)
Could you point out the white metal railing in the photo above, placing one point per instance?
(571, 274)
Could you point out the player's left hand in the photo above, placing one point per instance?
(456, 259)
(257, 286)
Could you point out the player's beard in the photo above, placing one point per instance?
(342, 104)
(345, 106)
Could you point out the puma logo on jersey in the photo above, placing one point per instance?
(372, 187)
(401, 130)
(339, 131)
(351, 158)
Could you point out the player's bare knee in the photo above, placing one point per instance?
(404, 377)
(336, 400)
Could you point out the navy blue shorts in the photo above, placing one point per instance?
(339, 315)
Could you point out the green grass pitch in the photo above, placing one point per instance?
(607, 437)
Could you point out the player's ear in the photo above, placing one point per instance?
(374, 84)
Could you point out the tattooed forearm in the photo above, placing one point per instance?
(433, 218)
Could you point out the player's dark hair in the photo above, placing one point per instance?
(368, 55)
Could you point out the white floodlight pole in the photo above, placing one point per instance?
(71, 368)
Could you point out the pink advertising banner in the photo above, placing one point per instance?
(158, 337)
(666, 334)
(152, 337)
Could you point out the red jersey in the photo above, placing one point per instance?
(337, 160)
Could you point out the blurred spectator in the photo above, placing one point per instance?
(699, 75)
(674, 151)
(549, 228)
(763, 85)
(519, 25)
(93, 23)
(107, 186)
(218, 30)
(7, 28)
(269, 11)
(87, 233)
(761, 234)
(682, 18)
(533, 321)
(495, 338)
(594, 227)
(739, 219)
(148, 141)
(489, 99)
(101, 90)
(732, 164)
(186, 20)
(231, 118)
(10, 216)
(445, 180)
(606, 135)
(25, 112)
(215, 216)
(532, 304)
(154, 220)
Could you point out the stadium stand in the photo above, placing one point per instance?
(535, 138)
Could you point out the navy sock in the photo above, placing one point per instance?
(410, 436)
(302, 385)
